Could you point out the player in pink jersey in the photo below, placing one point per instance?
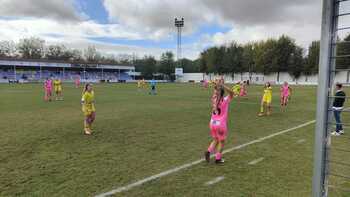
(48, 89)
(285, 93)
(218, 121)
(77, 82)
(205, 83)
(243, 91)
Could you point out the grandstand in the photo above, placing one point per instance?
(18, 70)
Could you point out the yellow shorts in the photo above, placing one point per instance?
(58, 89)
(88, 110)
(267, 99)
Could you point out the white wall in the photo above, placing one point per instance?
(257, 78)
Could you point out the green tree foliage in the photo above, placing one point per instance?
(167, 64)
(311, 66)
(190, 66)
(147, 66)
(343, 49)
(296, 62)
(267, 56)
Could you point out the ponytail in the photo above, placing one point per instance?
(85, 87)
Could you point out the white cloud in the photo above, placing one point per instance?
(250, 19)
(19, 28)
(157, 16)
(57, 9)
(78, 35)
(304, 33)
(154, 20)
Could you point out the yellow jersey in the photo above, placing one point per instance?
(236, 88)
(139, 84)
(267, 95)
(57, 82)
(88, 101)
(57, 85)
(268, 91)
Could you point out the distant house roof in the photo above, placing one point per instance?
(60, 64)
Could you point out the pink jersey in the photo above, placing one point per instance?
(48, 84)
(243, 91)
(285, 90)
(205, 83)
(220, 120)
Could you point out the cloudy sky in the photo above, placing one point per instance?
(146, 26)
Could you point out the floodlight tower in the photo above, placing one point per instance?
(179, 24)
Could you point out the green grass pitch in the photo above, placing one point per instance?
(136, 135)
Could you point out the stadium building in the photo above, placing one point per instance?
(20, 70)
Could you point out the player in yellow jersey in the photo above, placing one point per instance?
(57, 83)
(266, 100)
(88, 107)
(143, 84)
(236, 89)
(139, 85)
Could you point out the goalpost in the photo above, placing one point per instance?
(327, 69)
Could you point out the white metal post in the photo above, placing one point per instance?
(326, 63)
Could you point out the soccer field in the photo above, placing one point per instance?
(136, 135)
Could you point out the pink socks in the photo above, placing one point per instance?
(218, 156)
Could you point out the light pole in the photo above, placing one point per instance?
(179, 24)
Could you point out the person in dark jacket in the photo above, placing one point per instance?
(338, 105)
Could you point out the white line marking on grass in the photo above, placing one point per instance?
(301, 141)
(216, 180)
(188, 165)
(256, 161)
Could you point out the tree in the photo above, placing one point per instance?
(266, 56)
(147, 66)
(76, 55)
(31, 48)
(167, 64)
(190, 66)
(296, 62)
(234, 58)
(311, 66)
(7, 48)
(203, 64)
(248, 58)
(285, 47)
(343, 49)
(56, 52)
(91, 54)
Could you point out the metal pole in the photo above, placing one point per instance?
(180, 48)
(40, 73)
(84, 73)
(14, 72)
(102, 74)
(322, 116)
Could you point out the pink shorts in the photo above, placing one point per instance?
(48, 90)
(218, 131)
